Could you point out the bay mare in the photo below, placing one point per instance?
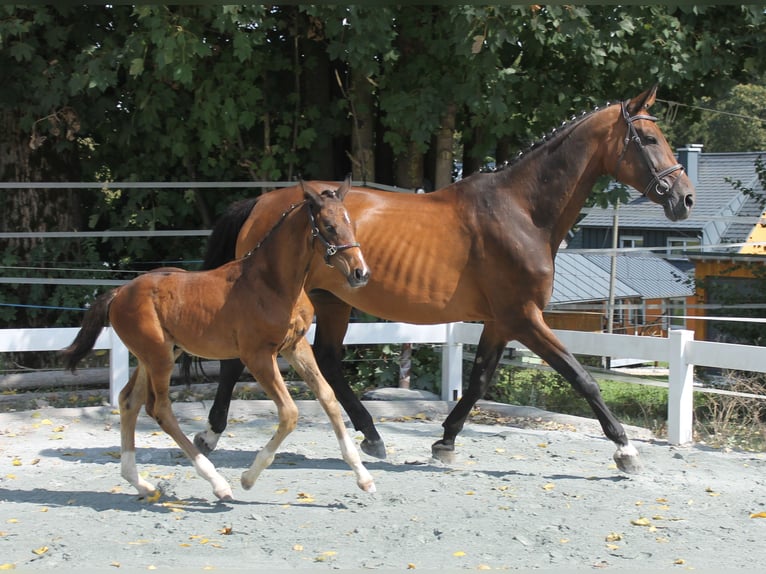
(481, 249)
(243, 309)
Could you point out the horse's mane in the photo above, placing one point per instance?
(554, 138)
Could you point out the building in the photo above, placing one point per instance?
(719, 243)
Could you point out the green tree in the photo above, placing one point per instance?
(259, 92)
(733, 122)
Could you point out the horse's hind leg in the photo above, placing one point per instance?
(488, 354)
(302, 359)
(161, 410)
(132, 398)
(206, 441)
(266, 372)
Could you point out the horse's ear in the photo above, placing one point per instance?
(344, 187)
(643, 101)
(310, 195)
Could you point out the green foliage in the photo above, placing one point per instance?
(250, 92)
(734, 121)
(632, 404)
(378, 366)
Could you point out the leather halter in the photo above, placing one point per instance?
(330, 248)
(661, 186)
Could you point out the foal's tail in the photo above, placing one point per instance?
(96, 317)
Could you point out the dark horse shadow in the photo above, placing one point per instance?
(101, 501)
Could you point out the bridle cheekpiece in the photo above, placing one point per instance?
(330, 248)
(661, 186)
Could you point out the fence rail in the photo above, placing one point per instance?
(679, 350)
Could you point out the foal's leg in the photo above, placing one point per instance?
(542, 341)
(302, 359)
(161, 410)
(131, 399)
(266, 372)
(488, 355)
(231, 370)
(332, 317)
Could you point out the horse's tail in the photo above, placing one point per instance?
(221, 248)
(96, 317)
(222, 243)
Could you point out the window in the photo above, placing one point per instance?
(676, 309)
(678, 245)
(628, 241)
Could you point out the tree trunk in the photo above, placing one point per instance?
(363, 129)
(473, 156)
(36, 210)
(409, 168)
(444, 147)
(318, 90)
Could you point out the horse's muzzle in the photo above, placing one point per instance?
(359, 277)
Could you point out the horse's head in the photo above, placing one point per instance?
(332, 226)
(646, 162)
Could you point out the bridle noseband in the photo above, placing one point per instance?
(330, 248)
(661, 187)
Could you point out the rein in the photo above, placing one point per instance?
(661, 187)
(330, 248)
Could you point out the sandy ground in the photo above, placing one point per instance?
(533, 493)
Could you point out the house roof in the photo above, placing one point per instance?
(582, 278)
(652, 276)
(716, 199)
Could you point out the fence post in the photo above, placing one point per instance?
(680, 389)
(452, 366)
(118, 367)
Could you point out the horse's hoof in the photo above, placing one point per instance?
(374, 448)
(201, 443)
(443, 452)
(627, 459)
(225, 495)
(246, 481)
(370, 487)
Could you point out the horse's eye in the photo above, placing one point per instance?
(330, 229)
(650, 140)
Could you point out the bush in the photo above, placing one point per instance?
(731, 421)
(632, 404)
(377, 366)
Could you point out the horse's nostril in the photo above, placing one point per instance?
(361, 275)
(689, 201)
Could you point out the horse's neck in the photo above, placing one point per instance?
(556, 182)
(283, 259)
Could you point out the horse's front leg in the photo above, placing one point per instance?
(302, 359)
(266, 372)
(488, 355)
(332, 317)
(543, 342)
(206, 440)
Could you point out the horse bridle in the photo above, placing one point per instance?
(330, 248)
(661, 186)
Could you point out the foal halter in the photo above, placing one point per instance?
(661, 186)
(330, 248)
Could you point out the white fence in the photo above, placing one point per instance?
(679, 350)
